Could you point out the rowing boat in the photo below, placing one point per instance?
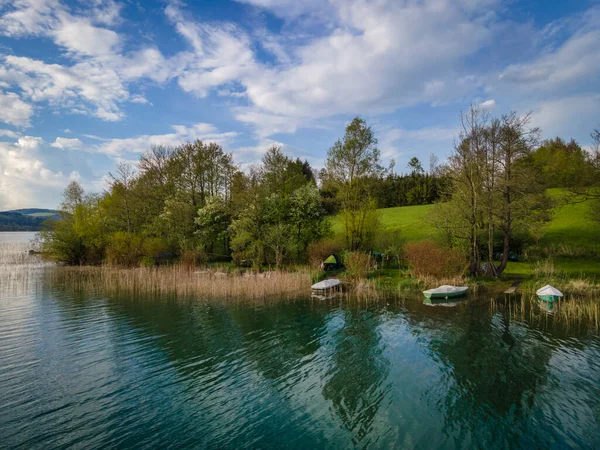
(446, 291)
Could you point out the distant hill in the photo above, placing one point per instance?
(27, 219)
(36, 212)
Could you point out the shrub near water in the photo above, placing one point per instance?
(427, 258)
(358, 265)
(124, 249)
(320, 250)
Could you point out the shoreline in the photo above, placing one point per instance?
(224, 282)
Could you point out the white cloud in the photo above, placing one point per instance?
(13, 110)
(29, 142)
(488, 104)
(67, 143)
(80, 36)
(140, 99)
(25, 181)
(9, 134)
(98, 80)
(86, 87)
(222, 54)
(401, 144)
(555, 117)
(560, 64)
(380, 56)
(140, 144)
(29, 17)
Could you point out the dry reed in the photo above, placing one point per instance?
(181, 281)
(571, 313)
(429, 282)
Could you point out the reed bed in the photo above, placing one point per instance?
(19, 270)
(571, 312)
(17, 253)
(185, 282)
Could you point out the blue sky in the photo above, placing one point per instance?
(86, 84)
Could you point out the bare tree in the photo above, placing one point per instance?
(517, 140)
(434, 162)
(491, 186)
(121, 183)
(72, 197)
(467, 182)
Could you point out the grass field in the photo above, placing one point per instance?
(412, 221)
(571, 225)
(42, 214)
(570, 229)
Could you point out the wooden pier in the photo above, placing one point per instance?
(513, 288)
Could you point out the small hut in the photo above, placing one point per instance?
(331, 263)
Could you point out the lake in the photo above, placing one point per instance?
(86, 369)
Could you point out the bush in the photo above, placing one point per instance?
(154, 247)
(320, 250)
(147, 261)
(124, 249)
(193, 258)
(545, 269)
(358, 265)
(427, 258)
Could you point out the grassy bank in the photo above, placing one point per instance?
(571, 239)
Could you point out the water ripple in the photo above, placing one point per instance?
(87, 370)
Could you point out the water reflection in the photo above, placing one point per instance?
(545, 306)
(96, 370)
(444, 302)
(356, 383)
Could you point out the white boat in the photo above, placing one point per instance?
(446, 291)
(326, 285)
(549, 293)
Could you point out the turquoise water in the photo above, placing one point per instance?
(97, 371)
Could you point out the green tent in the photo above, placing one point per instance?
(330, 260)
(331, 263)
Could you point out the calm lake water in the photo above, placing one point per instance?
(90, 370)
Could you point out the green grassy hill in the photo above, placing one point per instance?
(412, 221)
(571, 225)
(570, 229)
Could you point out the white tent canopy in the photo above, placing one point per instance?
(549, 290)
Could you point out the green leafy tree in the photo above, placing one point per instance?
(351, 163)
(213, 221)
(307, 217)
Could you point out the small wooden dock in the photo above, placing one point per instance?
(513, 288)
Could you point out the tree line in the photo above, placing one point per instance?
(193, 203)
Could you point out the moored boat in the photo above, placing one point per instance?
(326, 286)
(446, 291)
(549, 293)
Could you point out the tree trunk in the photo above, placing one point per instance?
(507, 232)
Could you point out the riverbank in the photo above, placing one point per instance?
(528, 283)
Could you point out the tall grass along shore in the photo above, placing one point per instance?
(183, 281)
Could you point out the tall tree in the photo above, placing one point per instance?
(493, 187)
(72, 197)
(467, 184)
(121, 183)
(517, 140)
(351, 163)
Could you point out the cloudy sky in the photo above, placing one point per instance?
(85, 84)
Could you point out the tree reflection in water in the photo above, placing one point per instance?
(357, 384)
